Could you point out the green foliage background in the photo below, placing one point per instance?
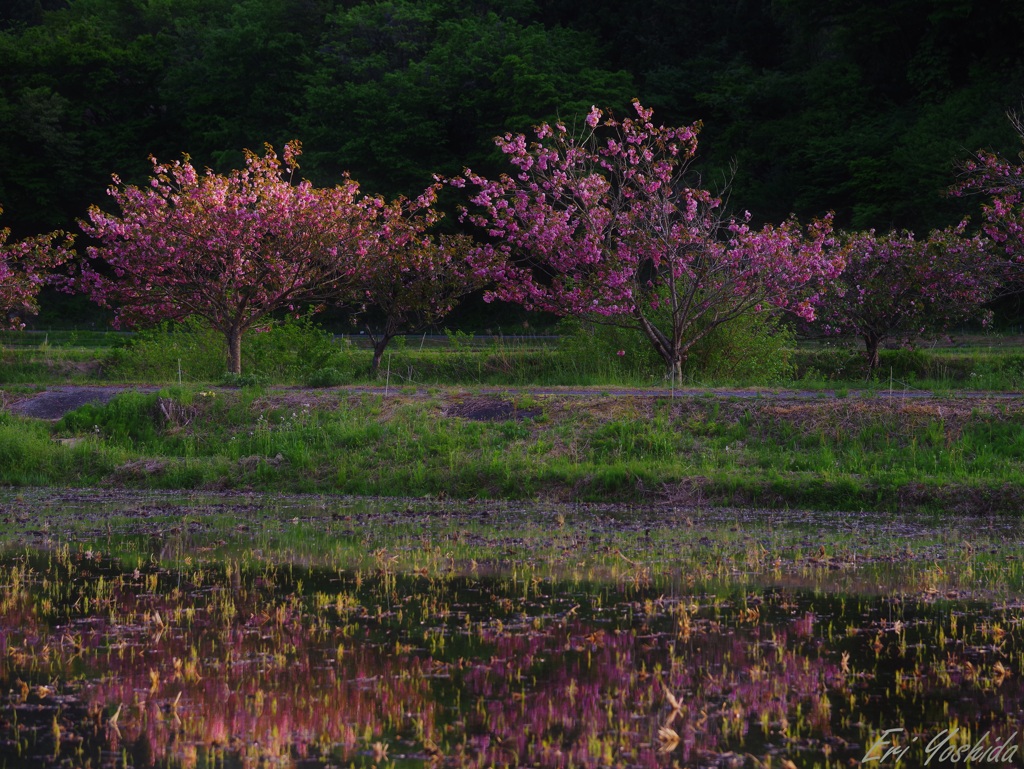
(861, 107)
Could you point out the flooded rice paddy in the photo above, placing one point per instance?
(193, 631)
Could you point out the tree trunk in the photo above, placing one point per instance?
(871, 343)
(669, 349)
(675, 370)
(234, 337)
(378, 351)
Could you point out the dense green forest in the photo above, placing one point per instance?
(858, 107)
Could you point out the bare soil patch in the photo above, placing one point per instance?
(54, 403)
(490, 409)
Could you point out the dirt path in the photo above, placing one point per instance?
(55, 402)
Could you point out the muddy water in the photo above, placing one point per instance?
(247, 631)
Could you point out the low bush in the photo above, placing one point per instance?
(922, 368)
(288, 352)
(753, 349)
(294, 350)
(328, 377)
(187, 352)
(130, 418)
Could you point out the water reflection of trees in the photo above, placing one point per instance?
(172, 671)
(584, 696)
(212, 670)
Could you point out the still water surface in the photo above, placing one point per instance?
(242, 632)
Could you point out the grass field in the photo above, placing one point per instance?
(937, 429)
(770, 450)
(304, 355)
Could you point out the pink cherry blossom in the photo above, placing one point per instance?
(1001, 181)
(895, 284)
(24, 270)
(229, 249)
(606, 225)
(409, 278)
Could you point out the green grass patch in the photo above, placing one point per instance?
(830, 454)
(298, 352)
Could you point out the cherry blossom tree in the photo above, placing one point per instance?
(1002, 180)
(229, 249)
(895, 284)
(24, 269)
(601, 223)
(410, 278)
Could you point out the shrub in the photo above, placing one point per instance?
(327, 377)
(289, 351)
(129, 419)
(752, 349)
(244, 380)
(608, 354)
(294, 350)
(188, 349)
